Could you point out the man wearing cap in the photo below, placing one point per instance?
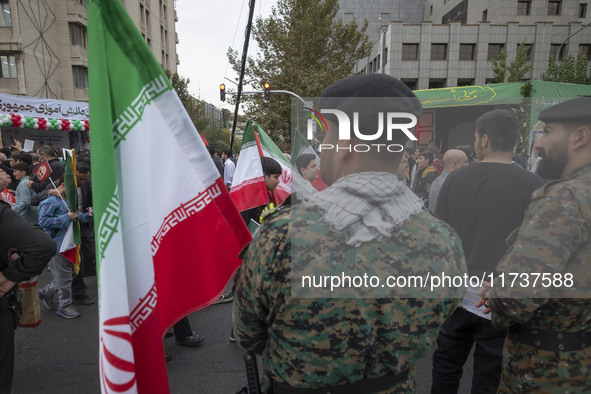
(356, 338)
(548, 346)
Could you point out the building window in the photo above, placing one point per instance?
(385, 57)
(585, 50)
(5, 19)
(77, 35)
(582, 10)
(484, 15)
(554, 7)
(523, 7)
(147, 19)
(436, 83)
(411, 83)
(80, 77)
(554, 50)
(467, 51)
(83, 2)
(494, 50)
(438, 51)
(431, 10)
(410, 51)
(142, 16)
(8, 69)
(465, 81)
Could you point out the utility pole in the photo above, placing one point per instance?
(242, 68)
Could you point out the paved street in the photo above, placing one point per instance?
(61, 356)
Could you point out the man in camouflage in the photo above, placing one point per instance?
(355, 339)
(548, 346)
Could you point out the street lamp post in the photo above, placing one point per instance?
(568, 38)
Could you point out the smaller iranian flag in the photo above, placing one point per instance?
(248, 188)
(70, 247)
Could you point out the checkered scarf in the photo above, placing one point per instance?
(366, 205)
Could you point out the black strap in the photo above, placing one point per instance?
(553, 341)
(366, 386)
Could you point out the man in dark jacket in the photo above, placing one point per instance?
(426, 174)
(30, 250)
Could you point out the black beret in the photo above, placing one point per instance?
(574, 110)
(401, 98)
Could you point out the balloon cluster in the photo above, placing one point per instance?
(30, 122)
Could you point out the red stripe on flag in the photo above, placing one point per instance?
(189, 271)
(70, 254)
(249, 194)
(148, 353)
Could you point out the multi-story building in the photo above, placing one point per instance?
(454, 44)
(379, 13)
(43, 49)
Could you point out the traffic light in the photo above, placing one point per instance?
(267, 86)
(223, 92)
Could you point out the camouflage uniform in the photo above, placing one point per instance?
(320, 342)
(555, 237)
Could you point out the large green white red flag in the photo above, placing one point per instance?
(248, 187)
(167, 232)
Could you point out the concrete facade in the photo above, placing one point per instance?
(379, 13)
(456, 40)
(47, 40)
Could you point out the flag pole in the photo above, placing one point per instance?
(59, 194)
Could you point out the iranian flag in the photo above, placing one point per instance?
(167, 231)
(70, 247)
(248, 188)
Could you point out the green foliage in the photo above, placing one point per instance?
(215, 135)
(514, 71)
(521, 65)
(499, 67)
(303, 48)
(568, 70)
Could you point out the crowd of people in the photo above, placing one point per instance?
(490, 217)
(486, 212)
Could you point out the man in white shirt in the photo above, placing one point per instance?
(229, 168)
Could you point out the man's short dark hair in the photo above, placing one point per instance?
(408, 150)
(304, 160)
(227, 152)
(82, 167)
(6, 151)
(22, 167)
(46, 150)
(427, 154)
(24, 157)
(270, 166)
(502, 128)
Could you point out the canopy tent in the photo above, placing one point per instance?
(449, 113)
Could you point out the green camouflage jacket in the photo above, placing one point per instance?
(327, 341)
(553, 248)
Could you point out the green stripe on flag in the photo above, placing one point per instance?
(124, 78)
